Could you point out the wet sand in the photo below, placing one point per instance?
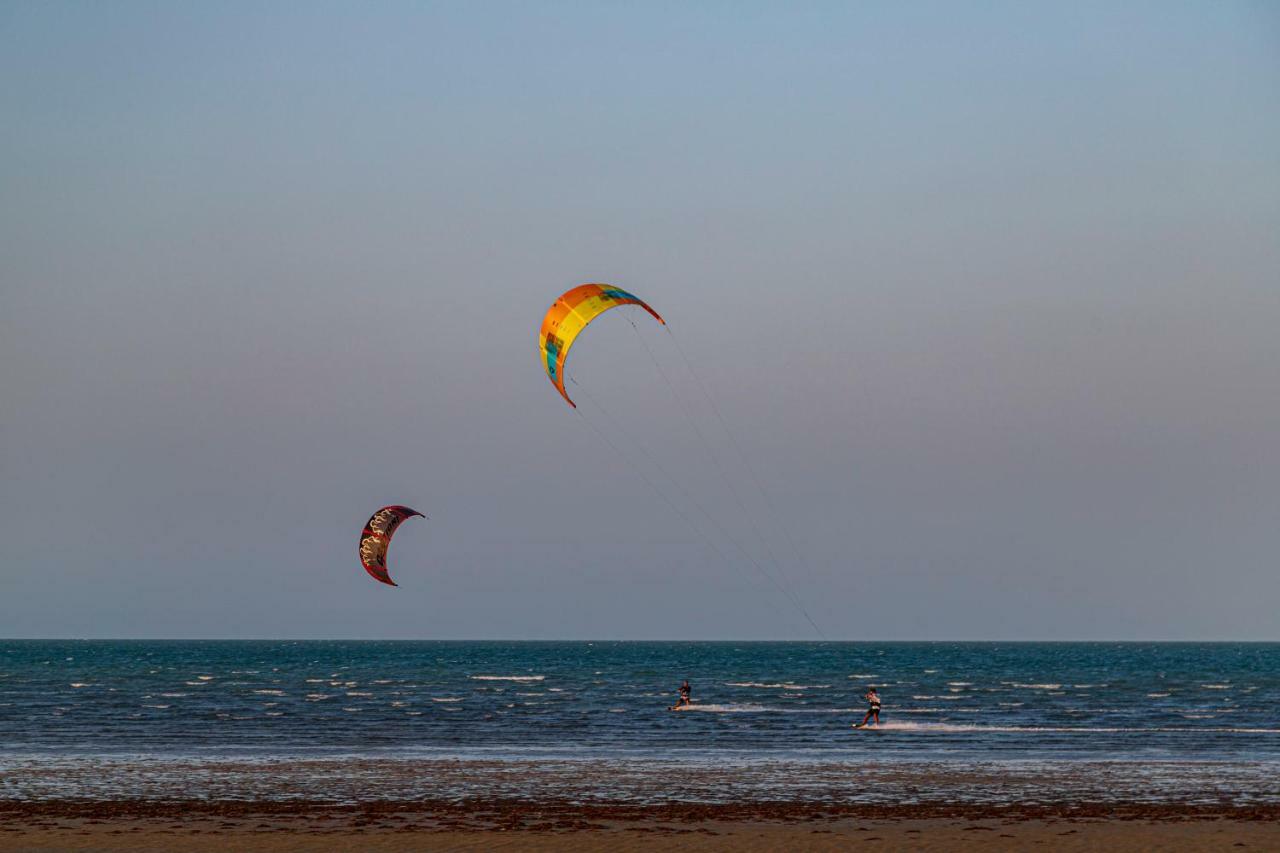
(648, 781)
(525, 825)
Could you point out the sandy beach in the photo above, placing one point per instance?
(123, 803)
(498, 825)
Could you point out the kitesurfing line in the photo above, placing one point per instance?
(716, 524)
(746, 460)
(709, 449)
(657, 490)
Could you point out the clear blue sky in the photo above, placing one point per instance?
(989, 292)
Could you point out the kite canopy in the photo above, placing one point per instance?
(567, 318)
(376, 538)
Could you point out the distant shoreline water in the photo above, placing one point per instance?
(654, 779)
(190, 704)
(967, 721)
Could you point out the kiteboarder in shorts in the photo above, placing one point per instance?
(873, 708)
(686, 695)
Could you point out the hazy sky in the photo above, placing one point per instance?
(989, 293)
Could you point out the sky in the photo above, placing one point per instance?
(972, 309)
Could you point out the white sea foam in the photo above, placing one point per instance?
(446, 699)
(79, 684)
(1216, 686)
(507, 677)
(977, 727)
(1158, 695)
(871, 674)
(723, 709)
(270, 692)
(780, 686)
(1034, 686)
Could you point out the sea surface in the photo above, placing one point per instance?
(78, 717)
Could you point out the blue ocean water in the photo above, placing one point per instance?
(953, 701)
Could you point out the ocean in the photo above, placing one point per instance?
(86, 718)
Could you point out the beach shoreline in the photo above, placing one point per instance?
(658, 780)
(274, 747)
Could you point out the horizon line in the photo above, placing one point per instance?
(598, 640)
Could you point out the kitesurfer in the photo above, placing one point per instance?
(686, 694)
(873, 708)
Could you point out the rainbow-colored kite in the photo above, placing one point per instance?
(567, 318)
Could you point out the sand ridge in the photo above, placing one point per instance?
(277, 827)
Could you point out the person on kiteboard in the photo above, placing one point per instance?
(873, 708)
(686, 695)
